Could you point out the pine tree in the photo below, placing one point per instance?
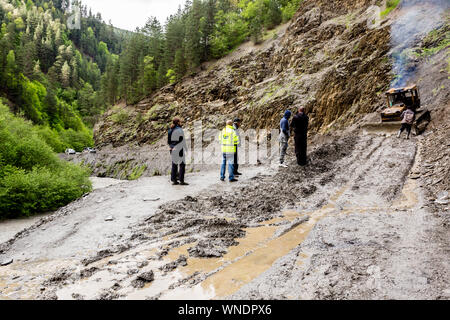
(179, 64)
(193, 48)
(65, 75)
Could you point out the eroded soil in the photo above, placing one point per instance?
(351, 224)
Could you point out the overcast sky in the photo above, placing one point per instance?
(129, 14)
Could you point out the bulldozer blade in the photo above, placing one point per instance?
(381, 127)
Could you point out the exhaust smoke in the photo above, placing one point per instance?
(414, 20)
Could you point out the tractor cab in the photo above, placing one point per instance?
(398, 100)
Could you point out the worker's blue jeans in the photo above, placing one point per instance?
(227, 157)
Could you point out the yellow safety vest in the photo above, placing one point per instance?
(229, 140)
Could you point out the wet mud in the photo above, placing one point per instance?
(331, 230)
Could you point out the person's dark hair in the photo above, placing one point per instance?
(175, 122)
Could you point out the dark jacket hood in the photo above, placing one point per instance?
(287, 114)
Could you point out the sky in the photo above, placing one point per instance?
(129, 14)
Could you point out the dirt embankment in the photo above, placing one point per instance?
(328, 59)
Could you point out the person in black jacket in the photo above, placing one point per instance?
(300, 126)
(178, 148)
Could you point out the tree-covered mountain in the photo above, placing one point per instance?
(53, 74)
(64, 78)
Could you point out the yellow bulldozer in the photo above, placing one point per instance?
(398, 100)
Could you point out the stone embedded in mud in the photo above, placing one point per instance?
(442, 195)
(77, 296)
(151, 199)
(6, 262)
(86, 273)
(142, 279)
(181, 261)
(415, 176)
(132, 271)
(142, 264)
(190, 199)
(442, 201)
(214, 248)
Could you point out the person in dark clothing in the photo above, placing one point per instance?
(300, 126)
(237, 124)
(178, 149)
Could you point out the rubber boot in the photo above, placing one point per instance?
(407, 136)
(399, 133)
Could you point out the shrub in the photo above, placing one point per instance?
(290, 9)
(120, 117)
(390, 5)
(78, 140)
(25, 193)
(52, 138)
(32, 178)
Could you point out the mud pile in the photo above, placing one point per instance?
(214, 222)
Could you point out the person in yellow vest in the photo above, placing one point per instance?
(228, 139)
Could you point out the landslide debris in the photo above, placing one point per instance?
(328, 60)
(212, 223)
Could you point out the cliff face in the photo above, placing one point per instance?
(327, 59)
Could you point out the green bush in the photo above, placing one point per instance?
(52, 138)
(290, 9)
(120, 117)
(390, 5)
(32, 178)
(78, 140)
(25, 193)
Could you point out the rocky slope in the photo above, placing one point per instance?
(327, 59)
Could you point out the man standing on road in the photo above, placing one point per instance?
(236, 125)
(229, 140)
(178, 149)
(284, 137)
(408, 117)
(300, 126)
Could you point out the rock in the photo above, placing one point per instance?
(109, 218)
(294, 224)
(6, 262)
(142, 279)
(147, 276)
(442, 195)
(142, 264)
(415, 176)
(442, 201)
(132, 271)
(151, 199)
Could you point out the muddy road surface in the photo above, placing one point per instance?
(351, 224)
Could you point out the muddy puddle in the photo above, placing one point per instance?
(254, 254)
